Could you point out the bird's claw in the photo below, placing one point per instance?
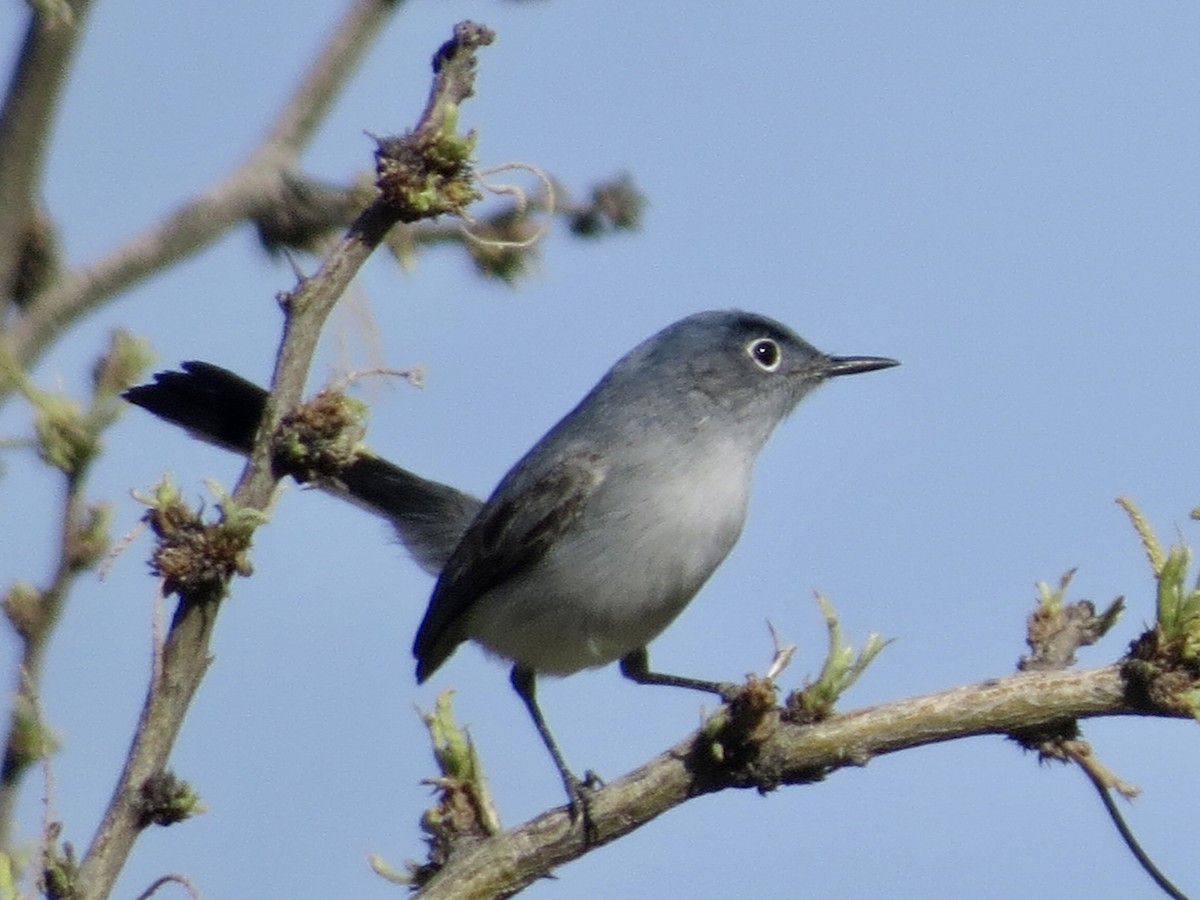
(728, 691)
(579, 803)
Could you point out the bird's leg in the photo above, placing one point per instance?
(636, 667)
(524, 682)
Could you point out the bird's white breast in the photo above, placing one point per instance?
(628, 567)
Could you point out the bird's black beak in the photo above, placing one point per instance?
(852, 365)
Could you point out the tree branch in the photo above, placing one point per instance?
(68, 440)
(25, 122)
(769, 751)
(222, 546)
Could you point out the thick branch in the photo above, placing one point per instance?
(780, 753)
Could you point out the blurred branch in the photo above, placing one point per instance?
(252, 185)
(423, 173)
(501, 245)
(307, 214)
(68, 440)
(25, 122)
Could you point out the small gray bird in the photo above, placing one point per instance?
(600, 536)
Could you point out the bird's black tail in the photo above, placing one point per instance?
(209, 402)
(219, 407)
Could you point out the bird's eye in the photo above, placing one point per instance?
(765, 353)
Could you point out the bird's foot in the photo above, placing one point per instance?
(727, 690)
(579, 802)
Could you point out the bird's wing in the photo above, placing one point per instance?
(512, 533)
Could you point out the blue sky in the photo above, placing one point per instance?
(1005, 197)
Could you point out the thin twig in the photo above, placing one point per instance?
(49, 817)
(187, 883)
(35, 632)
(1130, 840)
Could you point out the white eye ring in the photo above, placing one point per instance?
(765, 353)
